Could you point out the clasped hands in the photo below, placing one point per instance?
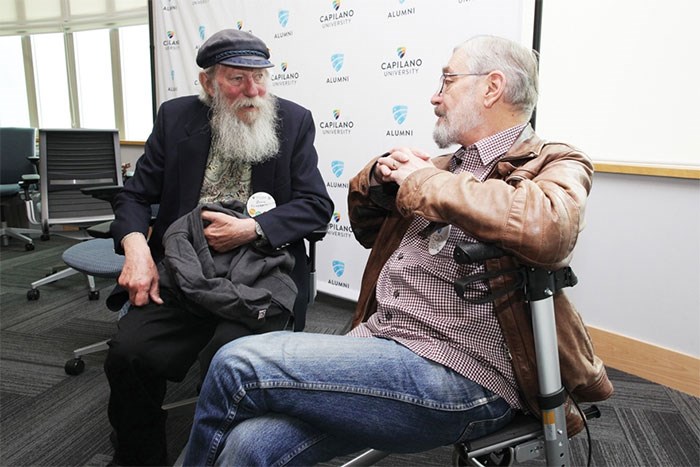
(399, 163)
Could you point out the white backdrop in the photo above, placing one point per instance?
(365, 68)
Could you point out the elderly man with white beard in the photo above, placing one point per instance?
(236, 142)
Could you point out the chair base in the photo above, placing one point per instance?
(33, 292)
(18, 234)
(76, 365)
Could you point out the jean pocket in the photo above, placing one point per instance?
(488, 419)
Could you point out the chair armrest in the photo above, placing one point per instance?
(28, 182)
(100, 230)
(105, 193)
(30, 178)
(318, 234)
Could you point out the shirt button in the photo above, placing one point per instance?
(400, 256)
(396, 294)
(387, 315)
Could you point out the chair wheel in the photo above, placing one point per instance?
(45, 237)
(94, 295)
(28, 246)
(33, 294)
(74, 366)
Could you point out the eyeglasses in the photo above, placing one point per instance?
(444, 76)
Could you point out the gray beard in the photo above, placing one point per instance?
(443, 135)
(235, 139)
(460, 121)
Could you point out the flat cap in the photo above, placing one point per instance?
(234, 48)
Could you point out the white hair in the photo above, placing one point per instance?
(517, 63)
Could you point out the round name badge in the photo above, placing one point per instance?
(438, 239)
(259, 203)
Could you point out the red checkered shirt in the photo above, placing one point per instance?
(417, 304)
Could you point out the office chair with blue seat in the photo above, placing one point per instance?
(71, 161)
(17, 173)
(81, 258)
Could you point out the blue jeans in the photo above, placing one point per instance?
(287, 398)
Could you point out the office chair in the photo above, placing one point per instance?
(71, 160)
(17, 172)
(110, 266)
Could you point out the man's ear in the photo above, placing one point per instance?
(496, 86)
(206, 84)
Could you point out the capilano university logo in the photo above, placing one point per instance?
(338, 17)
(338, 229)
(171, 42)
(286, 77)
(336, 126)
(402, 65)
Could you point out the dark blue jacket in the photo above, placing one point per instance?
(171, 171)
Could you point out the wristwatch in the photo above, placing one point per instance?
(259, 231)
(261, 241)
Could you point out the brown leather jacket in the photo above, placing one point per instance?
(532, 206)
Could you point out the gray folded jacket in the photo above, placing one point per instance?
(238, 285)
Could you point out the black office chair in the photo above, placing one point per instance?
(81, 258)
(71, 160)
(17, 174)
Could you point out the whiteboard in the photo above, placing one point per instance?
(620, 79)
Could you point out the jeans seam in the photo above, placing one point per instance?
(299, 449)
(319, 386)
(224, 427)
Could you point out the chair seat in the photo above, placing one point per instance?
(9, 189)
(95, 258)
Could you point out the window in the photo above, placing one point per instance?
(13, 90)
(51, 80)
(136, 82)
(77, 63)
(94, 79)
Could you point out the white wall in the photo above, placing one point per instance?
(619, 80)
(130, 154)
(638, 260)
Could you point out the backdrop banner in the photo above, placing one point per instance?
(365, 68)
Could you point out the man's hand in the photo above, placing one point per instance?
(139, 275)
(399, 163)
(226, 232)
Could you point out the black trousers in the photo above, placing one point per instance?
(154, 344)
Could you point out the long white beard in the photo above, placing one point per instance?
(253, 142)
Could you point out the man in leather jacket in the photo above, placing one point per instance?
(422, 368)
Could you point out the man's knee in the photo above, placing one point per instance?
(124, 350)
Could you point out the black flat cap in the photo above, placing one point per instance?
(235, 48)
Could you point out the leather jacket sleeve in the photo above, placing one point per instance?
(534, 210)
